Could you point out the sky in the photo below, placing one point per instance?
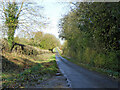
(54, 11)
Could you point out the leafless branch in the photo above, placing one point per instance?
(20, 8)
(4, 9)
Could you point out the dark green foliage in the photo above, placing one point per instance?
(92, 34)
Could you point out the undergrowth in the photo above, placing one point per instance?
(108, 72)
(20, 71)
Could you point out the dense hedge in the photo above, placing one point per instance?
(92, 34)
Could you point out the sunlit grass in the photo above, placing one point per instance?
(33, 69)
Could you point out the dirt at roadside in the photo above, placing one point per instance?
(55, 82)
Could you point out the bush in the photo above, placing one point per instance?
(112, 61)
(4, 44)
(99, 60)
(28, 50)
(92, 34)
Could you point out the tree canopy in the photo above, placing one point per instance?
(92, 32)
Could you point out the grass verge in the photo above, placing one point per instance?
(27, 71)
(109, 73)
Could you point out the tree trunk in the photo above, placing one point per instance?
(10, 40)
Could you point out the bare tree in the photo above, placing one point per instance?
(20, 15)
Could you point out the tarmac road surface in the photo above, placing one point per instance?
(79, 77)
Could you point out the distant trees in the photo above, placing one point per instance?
(92, 31)
(17, 39)
(49, 42)
(39, 39)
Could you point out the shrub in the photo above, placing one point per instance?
(5, 46)
(112, 61)
(99, 60)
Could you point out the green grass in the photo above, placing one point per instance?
(34, 71)
(110, 73)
